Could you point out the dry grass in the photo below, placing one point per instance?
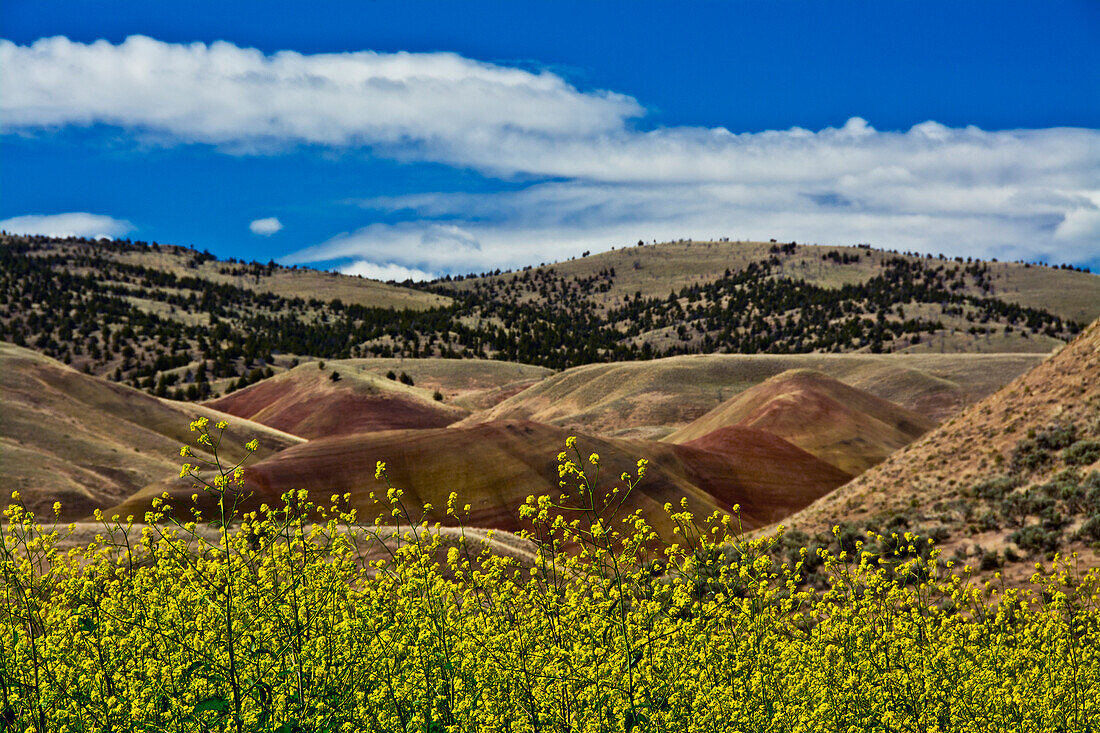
(87, 442)
(974, 445)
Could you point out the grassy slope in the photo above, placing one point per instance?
(653, 398)
(87, 442)
(931, 482)
(286, 282)
(846, 427)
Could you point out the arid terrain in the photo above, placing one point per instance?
(926, 426)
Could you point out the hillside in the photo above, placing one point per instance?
(494, 466)
(1011, 479)
(88, 443)
(342, 396)
(751, 297)
(182, 324)
(465, 383)
(653, 398)
(319, 400)
(843, 426)
(653, 269)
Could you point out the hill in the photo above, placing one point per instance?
(344, 396)
(653, 398)
(752, 297)
(1011, 479)
(846, 427)
(88, 443)
(651, 270)
(181, 324)
(466, 383)
(319, 400)
(494, 466)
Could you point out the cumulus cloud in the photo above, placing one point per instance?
(599, 178)
(1021, 194)
(265, 227)
(72, 224)
(432, 103)
(385, 271)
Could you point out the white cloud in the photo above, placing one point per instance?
(1010, 194)
(385, 272)
(244, 100)
(265, 227)
(1023, 194)
(73, 224)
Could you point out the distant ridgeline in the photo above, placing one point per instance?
(184, 324)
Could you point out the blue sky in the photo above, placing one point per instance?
(428, 137)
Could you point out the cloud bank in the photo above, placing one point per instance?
(265, 227)
(596, 178)
(73, 224)
(437, 104)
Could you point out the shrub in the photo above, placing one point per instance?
(437, 396)
(1035, 538)
(1090, 530)
(1091, 487)
(1028, 455)
(1082, 453)
(994, 489)
(1057, 436)
(990, 561)
(405, 379)
(391, 375)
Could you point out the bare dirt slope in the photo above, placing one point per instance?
(847, 427)
(653, 398)
(87, 442)
(1011, 479)
(321, 399)
(494, 466)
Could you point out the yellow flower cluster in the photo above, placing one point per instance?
(286, 623)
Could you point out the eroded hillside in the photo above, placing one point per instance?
(1010, 480)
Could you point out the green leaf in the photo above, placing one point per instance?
(215, 704)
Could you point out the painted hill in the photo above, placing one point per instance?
(494, 466)
(844, 426)
(653, 398)
(1011, 479)
(320, 399)
(87, 442)
(468, 383)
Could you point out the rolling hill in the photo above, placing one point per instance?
(319, 400)
(1012, 478)
(846, 427)
(88, 443)
(653, 398)
(653, 269)
(494, 466)
(179, 323)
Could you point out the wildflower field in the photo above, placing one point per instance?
(300, 618)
